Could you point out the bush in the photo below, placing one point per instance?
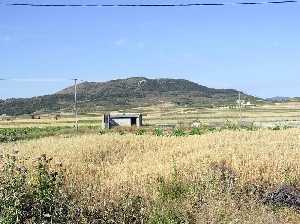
(251, 127)
(196, 131)
(167, 209)
(140, 131)
(50, 202)
(102, 132)
(37, 197)
(14, 194)
(221, 176)
(280, 127)
(173, 189)
(158, 132)
(231, 126)
(178, 132)
(166, 216)
(130, 209)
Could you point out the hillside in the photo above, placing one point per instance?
(123, 93)
(279, 99)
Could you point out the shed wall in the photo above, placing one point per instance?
(125, 122)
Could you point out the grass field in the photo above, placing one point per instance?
(263, 116)
(217, 177)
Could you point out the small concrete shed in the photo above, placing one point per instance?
(122, 120)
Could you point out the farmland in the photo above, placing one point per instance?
(263, 116)
(220, 175)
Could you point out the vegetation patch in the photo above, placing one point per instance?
(38, 193)
(223, 177)
(14, 134)
(35, 196)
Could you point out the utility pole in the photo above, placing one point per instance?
(75, 106)
(240, 108)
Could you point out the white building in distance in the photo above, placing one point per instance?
(122, 120)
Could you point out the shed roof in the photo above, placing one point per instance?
(125, 115)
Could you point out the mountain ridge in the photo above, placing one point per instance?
(124, 93)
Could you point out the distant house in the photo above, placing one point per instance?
(3, 117)
(244, 104)
(249, 104)
(122, 120)
(35, 115)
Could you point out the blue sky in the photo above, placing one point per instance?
(252, 48)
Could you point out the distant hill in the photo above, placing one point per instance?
(279, 99)
(124, 93)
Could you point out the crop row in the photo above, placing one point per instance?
(14, 134)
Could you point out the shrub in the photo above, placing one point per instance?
(276, 128)
(173, 189)
(167, 209)
(121, 132)
(229, 125)
(251, 127)
(196, 131)
(178, 132)
(102, 132)
(158, 132)
(140, 131)
(14, 194)
(222, 176)
(166, 216)
(280, 127)
(130, 209)
(50, 203)
(37, 197)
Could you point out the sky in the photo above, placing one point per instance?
(255, 49)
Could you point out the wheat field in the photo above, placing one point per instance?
(101, 168)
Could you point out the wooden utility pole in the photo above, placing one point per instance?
(75, 106)
(240, 108)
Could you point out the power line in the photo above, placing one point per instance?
(37, 80)
(152, 5)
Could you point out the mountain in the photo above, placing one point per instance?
(122, 94)
(279, 99)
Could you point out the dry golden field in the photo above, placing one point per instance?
(105, 168)
(219, 176)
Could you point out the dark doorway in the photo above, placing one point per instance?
(133, 121)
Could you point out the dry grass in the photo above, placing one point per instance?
(47, 121)
(263, 115)
(102, 167)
